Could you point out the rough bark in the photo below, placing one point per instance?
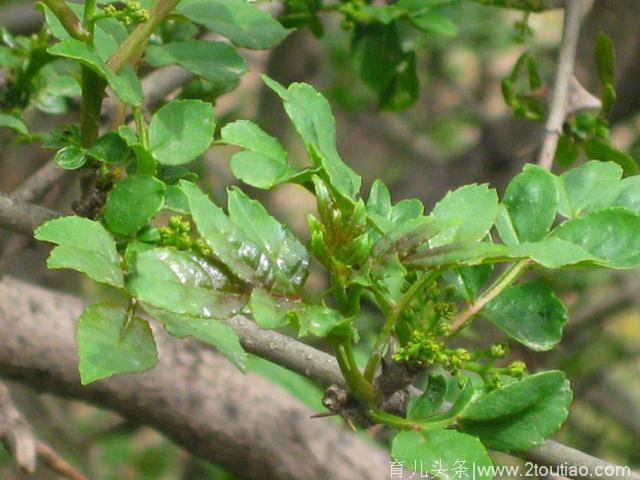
(193, 396)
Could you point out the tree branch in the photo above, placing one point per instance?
(273, 346)
(573, 14)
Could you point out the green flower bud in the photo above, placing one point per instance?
(498, 350)
(516, 369)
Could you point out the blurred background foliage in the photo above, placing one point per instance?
(458, 131)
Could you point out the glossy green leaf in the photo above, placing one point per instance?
(531, 201)
(599, 149)
(628, 194)
(207, 330)
(83, 245)
(266, 312)
(589, 187)
(132, 202)
(521, 414)
(611, 235)
(431, 399)
(311, 115)
(238, 20)
(108, 346)
(529, 313)
(217, 62)
(70, 157)
(445, 454)
(125, 85)
(176, 200)
(14, 123)
(551, 252)
(109, 148)
(181, 131)
(228, 244)
(317, 320)
(466, 214)
(283, 259)
(183, 283)
(264, 162)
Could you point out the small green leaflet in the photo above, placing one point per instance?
(132, 202)
(182, 283)
(107, 345)
(589, 187)
(442, 453)
(466, 214)
(14, 123)
(181, 131)
(521, 414)
(217, 62)
(430, 400)
(70, 157)
(311, 115)
(529, 313)
(238, 20)
(83, 245)
(125, 85)
(109, 148)
(263, 163)
(207, 330)
(386, 216)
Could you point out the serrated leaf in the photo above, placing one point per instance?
(521, 414)
(83, 245)
(227, 243)
(466, 214)
(125, 84)
(238, 20)
(109, 148)
(217, 62)
(107, 345)
(530, 313)
(70, 157)
(181, 131)
(589, 187)
(264, 163)
(311, 115)
(14, 123)
(610, 235)
(207, 330)
(132, 202)
(531, 201)
(183, 283)
(442, 453)
(431, 399)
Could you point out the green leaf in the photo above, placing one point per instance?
(468, 280)
(183, 283)
(430, 400)
(529, 313)
(181, 131)
(531, 201)
(125, 85)
(551, 252)
(377, 54)
(264, 163)
(465, 396)
(217, 62)
(521, 414)
(567, 151)
(266, 312)
(434, 24)
(14, 123)
(589, 187)
(176, 200)
(454, 255)
(628, 194)
(207, 330)
(605, 58)
(70, 157)
(282, 257)
(132, 202)
(109, 148)
(229, 245)
(318, 320)
(311, 115)
(602, 150)
(611, 235)
(466, 214)
(403, 89)
(108, 346)
(445, 454)
(83, 245)
(238, 20)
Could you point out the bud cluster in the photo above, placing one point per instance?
(177, 234)
(131, 14)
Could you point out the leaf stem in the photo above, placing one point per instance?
(361, 389)
(503, 281)
(68, 19)
(140, 127)
(134, 44)
(392, 318)
(92, 86)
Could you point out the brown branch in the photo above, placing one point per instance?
(55, 462)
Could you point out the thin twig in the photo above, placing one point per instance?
(573, 14)
(55, 462)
